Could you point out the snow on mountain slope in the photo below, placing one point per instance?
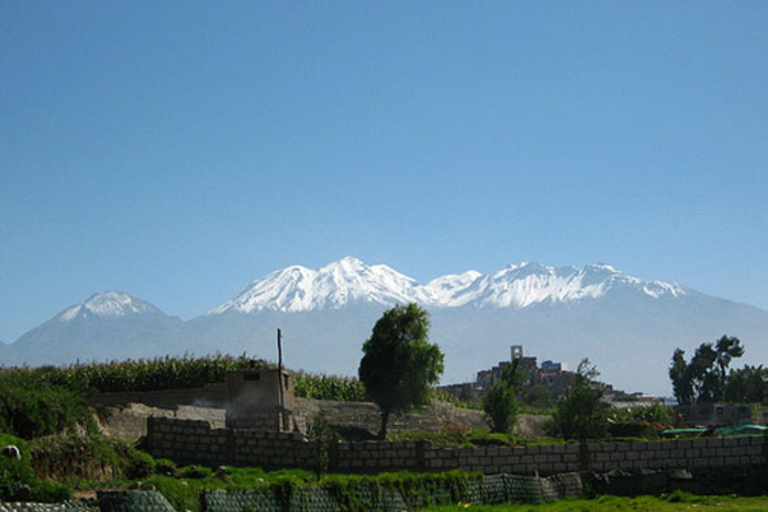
(111, 304)
(104, 326)
(627, 326)
(452, 289)
(350, 280)
(525, 284)
(297, 288)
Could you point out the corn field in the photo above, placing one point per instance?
(324, 387)
(173, 373)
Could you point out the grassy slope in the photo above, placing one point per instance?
(677, 502)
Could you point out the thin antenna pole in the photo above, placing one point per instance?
(281, 414)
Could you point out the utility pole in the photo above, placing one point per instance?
(281, 413)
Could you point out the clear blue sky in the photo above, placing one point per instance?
(177, 150)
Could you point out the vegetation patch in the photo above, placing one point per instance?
(675, 502)
(18, 481)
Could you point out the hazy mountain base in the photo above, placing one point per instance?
(629, 337)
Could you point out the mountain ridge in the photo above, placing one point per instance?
(298, 288)
(627, 326)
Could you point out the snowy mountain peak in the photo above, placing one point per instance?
(332, 286)
(519, 285)
(111, 304)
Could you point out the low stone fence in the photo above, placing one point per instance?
(196, 442)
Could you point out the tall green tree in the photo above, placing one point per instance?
(500, 401)
(581, 413)
(705, 378)
(399, 365)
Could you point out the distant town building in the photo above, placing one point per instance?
(551, 374)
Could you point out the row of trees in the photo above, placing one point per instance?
(399, 366)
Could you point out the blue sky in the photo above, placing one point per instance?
(178, 150)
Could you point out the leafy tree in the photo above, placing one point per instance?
(399, 364)
(581, 413)
(539, 397)
(749, 384)
(500, 401)
(705, 378)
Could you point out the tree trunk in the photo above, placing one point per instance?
(383, 430)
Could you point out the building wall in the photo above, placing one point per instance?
(195, 442)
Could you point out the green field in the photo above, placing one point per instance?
(676, 502)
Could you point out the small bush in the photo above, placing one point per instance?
(18, 481)
(138, 464)
(32, 407)
(72, 457)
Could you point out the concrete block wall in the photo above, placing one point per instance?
(376, 456)
(268, 421)
(196, 442)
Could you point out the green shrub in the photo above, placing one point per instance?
(500, 405)
(581, 413)
(73, 457)
(138, 464)
(18, 480)
(30, 406)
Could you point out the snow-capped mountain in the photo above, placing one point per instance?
(104, 326)
(627, 326)
(111, 304)
(525, 284)
(333, 286)
(350, 280)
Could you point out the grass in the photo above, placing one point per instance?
(183, 489)
(675, 502)
(474, 437)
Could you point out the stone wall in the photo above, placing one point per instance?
(367, 416)
(129, 422)
(211, 395)
(124, 415)
(196, 442)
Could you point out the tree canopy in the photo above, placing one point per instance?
(399, 365)
(705, 378)
(581, 413)
(500, 401)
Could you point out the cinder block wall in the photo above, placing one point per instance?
(188, 441)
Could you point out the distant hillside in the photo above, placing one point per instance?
(627, 326)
